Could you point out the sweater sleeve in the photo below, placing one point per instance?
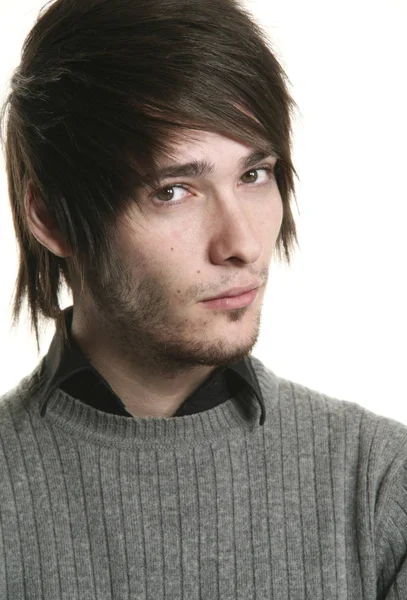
(391, 536)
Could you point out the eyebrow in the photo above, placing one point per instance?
(202, 168)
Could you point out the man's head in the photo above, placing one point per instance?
(107, 95)
(208, 227)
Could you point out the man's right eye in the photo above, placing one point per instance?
(171, 194)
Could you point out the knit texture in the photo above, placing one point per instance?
(310, 506)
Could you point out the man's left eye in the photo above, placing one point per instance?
(259, 175)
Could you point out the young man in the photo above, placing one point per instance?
(149, 455)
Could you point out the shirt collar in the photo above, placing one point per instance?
(65, 359)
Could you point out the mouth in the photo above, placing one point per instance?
(233, 298)
(236, 291)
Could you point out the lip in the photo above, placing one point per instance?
(236, 291)
(242, 300)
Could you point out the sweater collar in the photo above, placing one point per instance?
(65, 361)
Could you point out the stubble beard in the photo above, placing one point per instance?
(138, 320)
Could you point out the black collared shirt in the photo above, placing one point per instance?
(67, 368)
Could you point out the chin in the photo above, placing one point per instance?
(228, 348)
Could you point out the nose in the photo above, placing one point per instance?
(236, 231)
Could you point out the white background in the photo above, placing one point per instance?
(336, 320)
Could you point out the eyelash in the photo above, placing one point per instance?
(170, 203)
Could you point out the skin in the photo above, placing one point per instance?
(148, 333)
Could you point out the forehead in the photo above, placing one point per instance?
(195, 145)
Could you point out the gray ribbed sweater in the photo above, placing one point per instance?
(311, 505)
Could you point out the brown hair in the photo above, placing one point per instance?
(102, 87)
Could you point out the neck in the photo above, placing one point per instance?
(147, 386)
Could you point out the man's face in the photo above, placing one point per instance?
(195, 238)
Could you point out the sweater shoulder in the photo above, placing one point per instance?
(17, 403)
(382, 439)
(289, 392)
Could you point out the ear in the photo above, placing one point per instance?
(42, 225)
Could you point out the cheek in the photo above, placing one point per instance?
(276, 214)
(271, 218)
(156, 245)
(169, 253)
(180, 244)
